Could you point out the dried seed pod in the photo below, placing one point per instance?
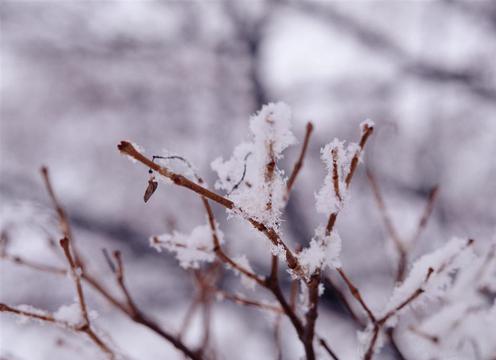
(150, 189)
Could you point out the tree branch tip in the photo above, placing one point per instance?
(64, 243)
(125, 147)
(309, 127)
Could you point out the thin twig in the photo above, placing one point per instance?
(431, 199)
(356, 294)
(390, 228)
(219, 252)
(299, 163)
(127, 148)
(134, 314)
(76, 275)
(141, 318)
(238, 299)
(34, 265)
(343, 300)
(63, 219)
(240, 181)
(328, 349)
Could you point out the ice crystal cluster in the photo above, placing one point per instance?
(251, 176)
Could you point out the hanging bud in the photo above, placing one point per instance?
(150, 189)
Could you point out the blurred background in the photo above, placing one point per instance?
(183, 77)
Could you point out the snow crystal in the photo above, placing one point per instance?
(441, 263)
(327, 200)
(230, 172)
(190, 249)
(70, 314)
(246, 281)
(322, 251)
(259, 194)
(279, 251)
(272, 124)
(321, 289)
(366, 124)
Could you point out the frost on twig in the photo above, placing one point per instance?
(429, 279)
(323, 251)
(337, 158)
(261, 194)
(190, 249)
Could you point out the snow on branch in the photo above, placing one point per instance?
(190, 249)
(261, 193)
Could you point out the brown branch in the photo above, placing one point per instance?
(431, 199)
(328, 349)
(432, 338)
(293, 294)
(270, 168)
(356, 294)
(139, 317)
(390, 228)
(48, 318)
(219, 252)
(274, 268)
(378, 324)
(343, 300)
(366, 132)
(34, 265)
(248, 302)
(275, 288)
(119, 276)
(277, 338)
(299, 163)
(335, 174)
(271, 282)
(156, 241)
(127, 148)
(188, 317)
(63, 219)
(85, 326)
(133, 313)
(76, 276)
(390, 333)
(312, 314)
(29, 314)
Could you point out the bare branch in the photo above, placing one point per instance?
(248, 302)
(356, 294)
(34, 265)
(431, 199)
(63, 219)
(76, 275)
(299, 163)
(139, 317)
(328, 349)
(127, 148)
(390, 228)
(366, 132)
(343, 300)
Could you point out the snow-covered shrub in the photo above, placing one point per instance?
(444, 296)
